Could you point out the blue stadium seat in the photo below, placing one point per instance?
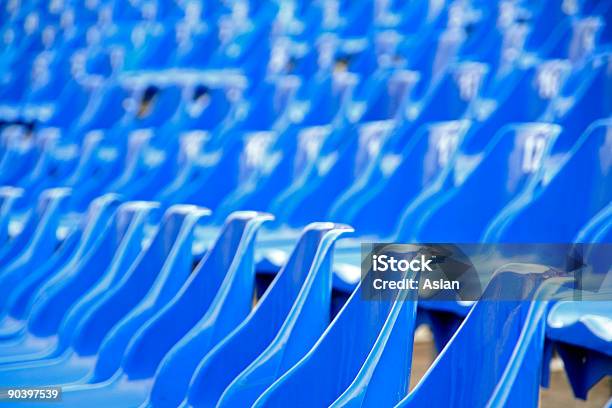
(353, 363)
(560, 189)
(582, 339)
(494, 370)
(293, 309)
(510, 158)
(157, 313)
(79, 244)
(122, 123)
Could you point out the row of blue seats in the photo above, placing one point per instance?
(191, 184)
(326, 15)
(327, 152)
(547, 195)
(400, 133)
(121, 47)
(115, 320)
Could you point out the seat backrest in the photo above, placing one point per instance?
(572, 191)
(355, 362)
(99, 237)
(375, 207)
(478, 365)
(509, 164)
(522, 94)
(381, 96)
(300, 291)
(584, 99)
(171, 360)
(132, 219)
(172, 236)
(449, 98)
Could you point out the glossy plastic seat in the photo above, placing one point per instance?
(583, 99)
(87, 328)
(494, 370)
(36, 232)
(133, 349)
(27, 285)
(60, 364)
(577, 186)
(336, 171)
(508, 163)
(353, 362)
(287, 321)
(54, 293)
(580, 330)
(374, 204)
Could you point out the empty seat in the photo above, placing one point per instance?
(576, 187)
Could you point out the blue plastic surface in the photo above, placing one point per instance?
(494, 358)
(288, 319)
(440, 121)
(353, 363)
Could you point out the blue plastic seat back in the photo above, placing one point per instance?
(578, 325)
(9, 198)
(413, 17)
(448, 99)
(245, 51)
(574, 40)
(38, 243)
(544, 19)
(132, 219)
(431, 53)
(575, 189)
(381, 96)
(264, 155)
(291, 156)
(354, 363)
(342, 158)
(522, 94)
(188, 52)
(493, 37)
(244, 154)
(101, 160)
(170, 278)
(184, 310)
(51, 204)
(150, 164)
(581, 323)
(323, 98)
(20, 155)
(287, 321)
(155, 55)
(164, 101)
(138, 104)
(206, 106)
(584, 99)
(55, 296)
(227, 308)
(269, 161)
(268, 102)
(339, 161)
(375, 207)
(508, 164)
(19, 300)
(171, 237)
(42, 88)
(479, 366)
(104, 108)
